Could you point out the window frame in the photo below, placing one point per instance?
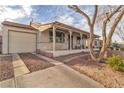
(60, 36)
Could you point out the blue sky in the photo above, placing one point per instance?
(45, 14)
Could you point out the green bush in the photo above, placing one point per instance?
(116, 63)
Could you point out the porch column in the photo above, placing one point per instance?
(54, 38)
(70, 40)
(86, 42)
(81, 41)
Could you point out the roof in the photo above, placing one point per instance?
(8, 23)
(64, 25)
(14, 24)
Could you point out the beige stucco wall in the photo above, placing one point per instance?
(5, 36)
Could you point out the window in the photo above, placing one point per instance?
(78, 39)
(50, 35)
(60, 36)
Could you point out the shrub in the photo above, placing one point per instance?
(116, 63)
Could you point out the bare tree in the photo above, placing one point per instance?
(109, 16)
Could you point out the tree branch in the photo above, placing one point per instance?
(120, 32)
(78, 10)
(115, 23)
(104, 31)
(95, 15)
(115, 11)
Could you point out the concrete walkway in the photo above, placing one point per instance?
(58, 76)
(19, 66)
(67, 60)
(9, 83)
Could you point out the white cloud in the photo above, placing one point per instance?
(82, 25)
(7, 12)
(27, 10)
(69, 20)
(66, 19)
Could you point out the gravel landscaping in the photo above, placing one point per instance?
(6, 68)
(34, 63)
(98, 71)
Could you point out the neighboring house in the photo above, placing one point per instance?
(53, 38)
(121, 45)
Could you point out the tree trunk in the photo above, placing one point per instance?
(91, 23)
(107, 41)
(90, 44)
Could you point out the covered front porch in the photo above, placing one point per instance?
(59, 39)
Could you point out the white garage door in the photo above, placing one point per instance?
(21, 42)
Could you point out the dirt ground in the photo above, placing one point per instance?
(33, 62)
(98, 71)
(6, 68)
(65, 57)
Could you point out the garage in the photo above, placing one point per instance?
(20, 42)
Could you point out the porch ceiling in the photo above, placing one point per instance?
(72, 30)
(41, 27)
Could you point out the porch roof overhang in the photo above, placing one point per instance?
(44, 27)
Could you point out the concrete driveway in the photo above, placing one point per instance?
(59, 76)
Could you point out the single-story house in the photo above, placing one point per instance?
(52, 38)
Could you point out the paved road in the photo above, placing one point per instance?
(59, 76)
